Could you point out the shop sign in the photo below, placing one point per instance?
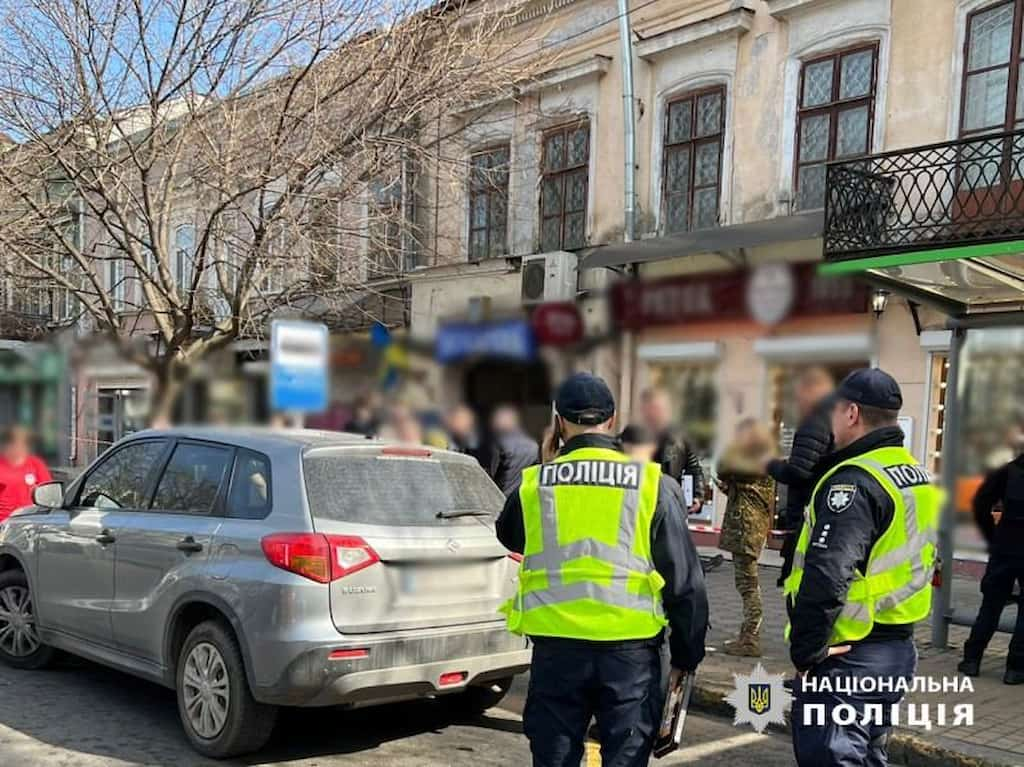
(557, 324)
(298, 366)
(767, 295)
(511, 339)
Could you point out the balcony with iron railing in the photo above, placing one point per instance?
(955, 194)
(944, 221)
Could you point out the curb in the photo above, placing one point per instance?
(904, 749)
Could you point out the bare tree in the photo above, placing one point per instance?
(184, 170)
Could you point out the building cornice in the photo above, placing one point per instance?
(731, 23)
(783, 9)
(595, 66)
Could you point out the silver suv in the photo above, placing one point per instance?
(249, 569)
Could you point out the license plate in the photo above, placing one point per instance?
(432, 580)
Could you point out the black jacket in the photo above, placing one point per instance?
(511, 453)
(673, 553)
(1004, 485)
(679, 459)
(801, 471)
(840, 543)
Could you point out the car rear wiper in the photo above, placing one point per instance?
(462, 513)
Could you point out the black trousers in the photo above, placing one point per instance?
(863, 742)
(620, 685)
(996, 588)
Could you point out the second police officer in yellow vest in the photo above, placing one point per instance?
(861, 578)
(607, 564)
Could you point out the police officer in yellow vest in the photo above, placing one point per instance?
(607, 564)
(861, 579)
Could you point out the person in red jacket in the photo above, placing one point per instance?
(20, 471)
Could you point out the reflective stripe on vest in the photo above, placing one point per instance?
(590, 587)
(621, 556)
(872, 596)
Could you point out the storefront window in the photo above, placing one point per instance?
(120, 412)
(992, 404)
(936, 412)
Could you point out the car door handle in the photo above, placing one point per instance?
(105, 538)
(189, 545)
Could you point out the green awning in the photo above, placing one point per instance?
(961, 279)
(855, 265)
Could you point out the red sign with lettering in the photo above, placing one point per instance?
(557, 324)
(767, 294)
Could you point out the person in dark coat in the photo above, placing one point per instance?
(513, 449)
(999, 512)
(676, 455)
(811, 445)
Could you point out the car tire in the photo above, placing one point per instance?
(17, 616)
(476, 699)
(218, 712)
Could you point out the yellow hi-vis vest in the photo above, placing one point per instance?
(587, 571)
(895, 586)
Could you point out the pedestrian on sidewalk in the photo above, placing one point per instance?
(608, 563)
(748, 516)
(812, 443)
(999, 511)
(20, 471)
(676, 455)
(854, 600)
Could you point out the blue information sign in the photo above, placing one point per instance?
(510, 339)
(298, 366)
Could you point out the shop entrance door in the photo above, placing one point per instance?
(490, 383)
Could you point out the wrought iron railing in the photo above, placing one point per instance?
(964, 192)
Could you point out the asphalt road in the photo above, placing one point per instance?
(83, 715)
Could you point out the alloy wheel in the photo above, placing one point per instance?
(18, 635)
(205, 690)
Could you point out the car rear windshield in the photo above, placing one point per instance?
(375, 489)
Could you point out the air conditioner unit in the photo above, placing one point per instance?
(549, 277)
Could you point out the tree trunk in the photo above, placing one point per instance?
(168, 385)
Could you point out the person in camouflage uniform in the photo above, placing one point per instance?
(747, 520)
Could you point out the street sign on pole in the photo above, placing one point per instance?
(298, 366)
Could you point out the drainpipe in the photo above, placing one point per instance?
(627, 351)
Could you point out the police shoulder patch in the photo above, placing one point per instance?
(839, 497)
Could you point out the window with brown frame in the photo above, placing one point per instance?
(563, 193)
(692, 166)
(992, 99)
(488, 203)
(835, 116)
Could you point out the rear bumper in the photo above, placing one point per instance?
(396, 668)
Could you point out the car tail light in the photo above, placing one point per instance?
(452, 677)
(350, 554)
(352, 654)
(321, 558)
(515, 556)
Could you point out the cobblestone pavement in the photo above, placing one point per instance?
(82, 715)
(996, 736)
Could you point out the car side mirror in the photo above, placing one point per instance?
(49, 495)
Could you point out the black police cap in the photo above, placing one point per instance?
(871, 387)
(584, 399)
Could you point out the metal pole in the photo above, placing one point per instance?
(628, 121)
(627, 347)
(941, 603)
